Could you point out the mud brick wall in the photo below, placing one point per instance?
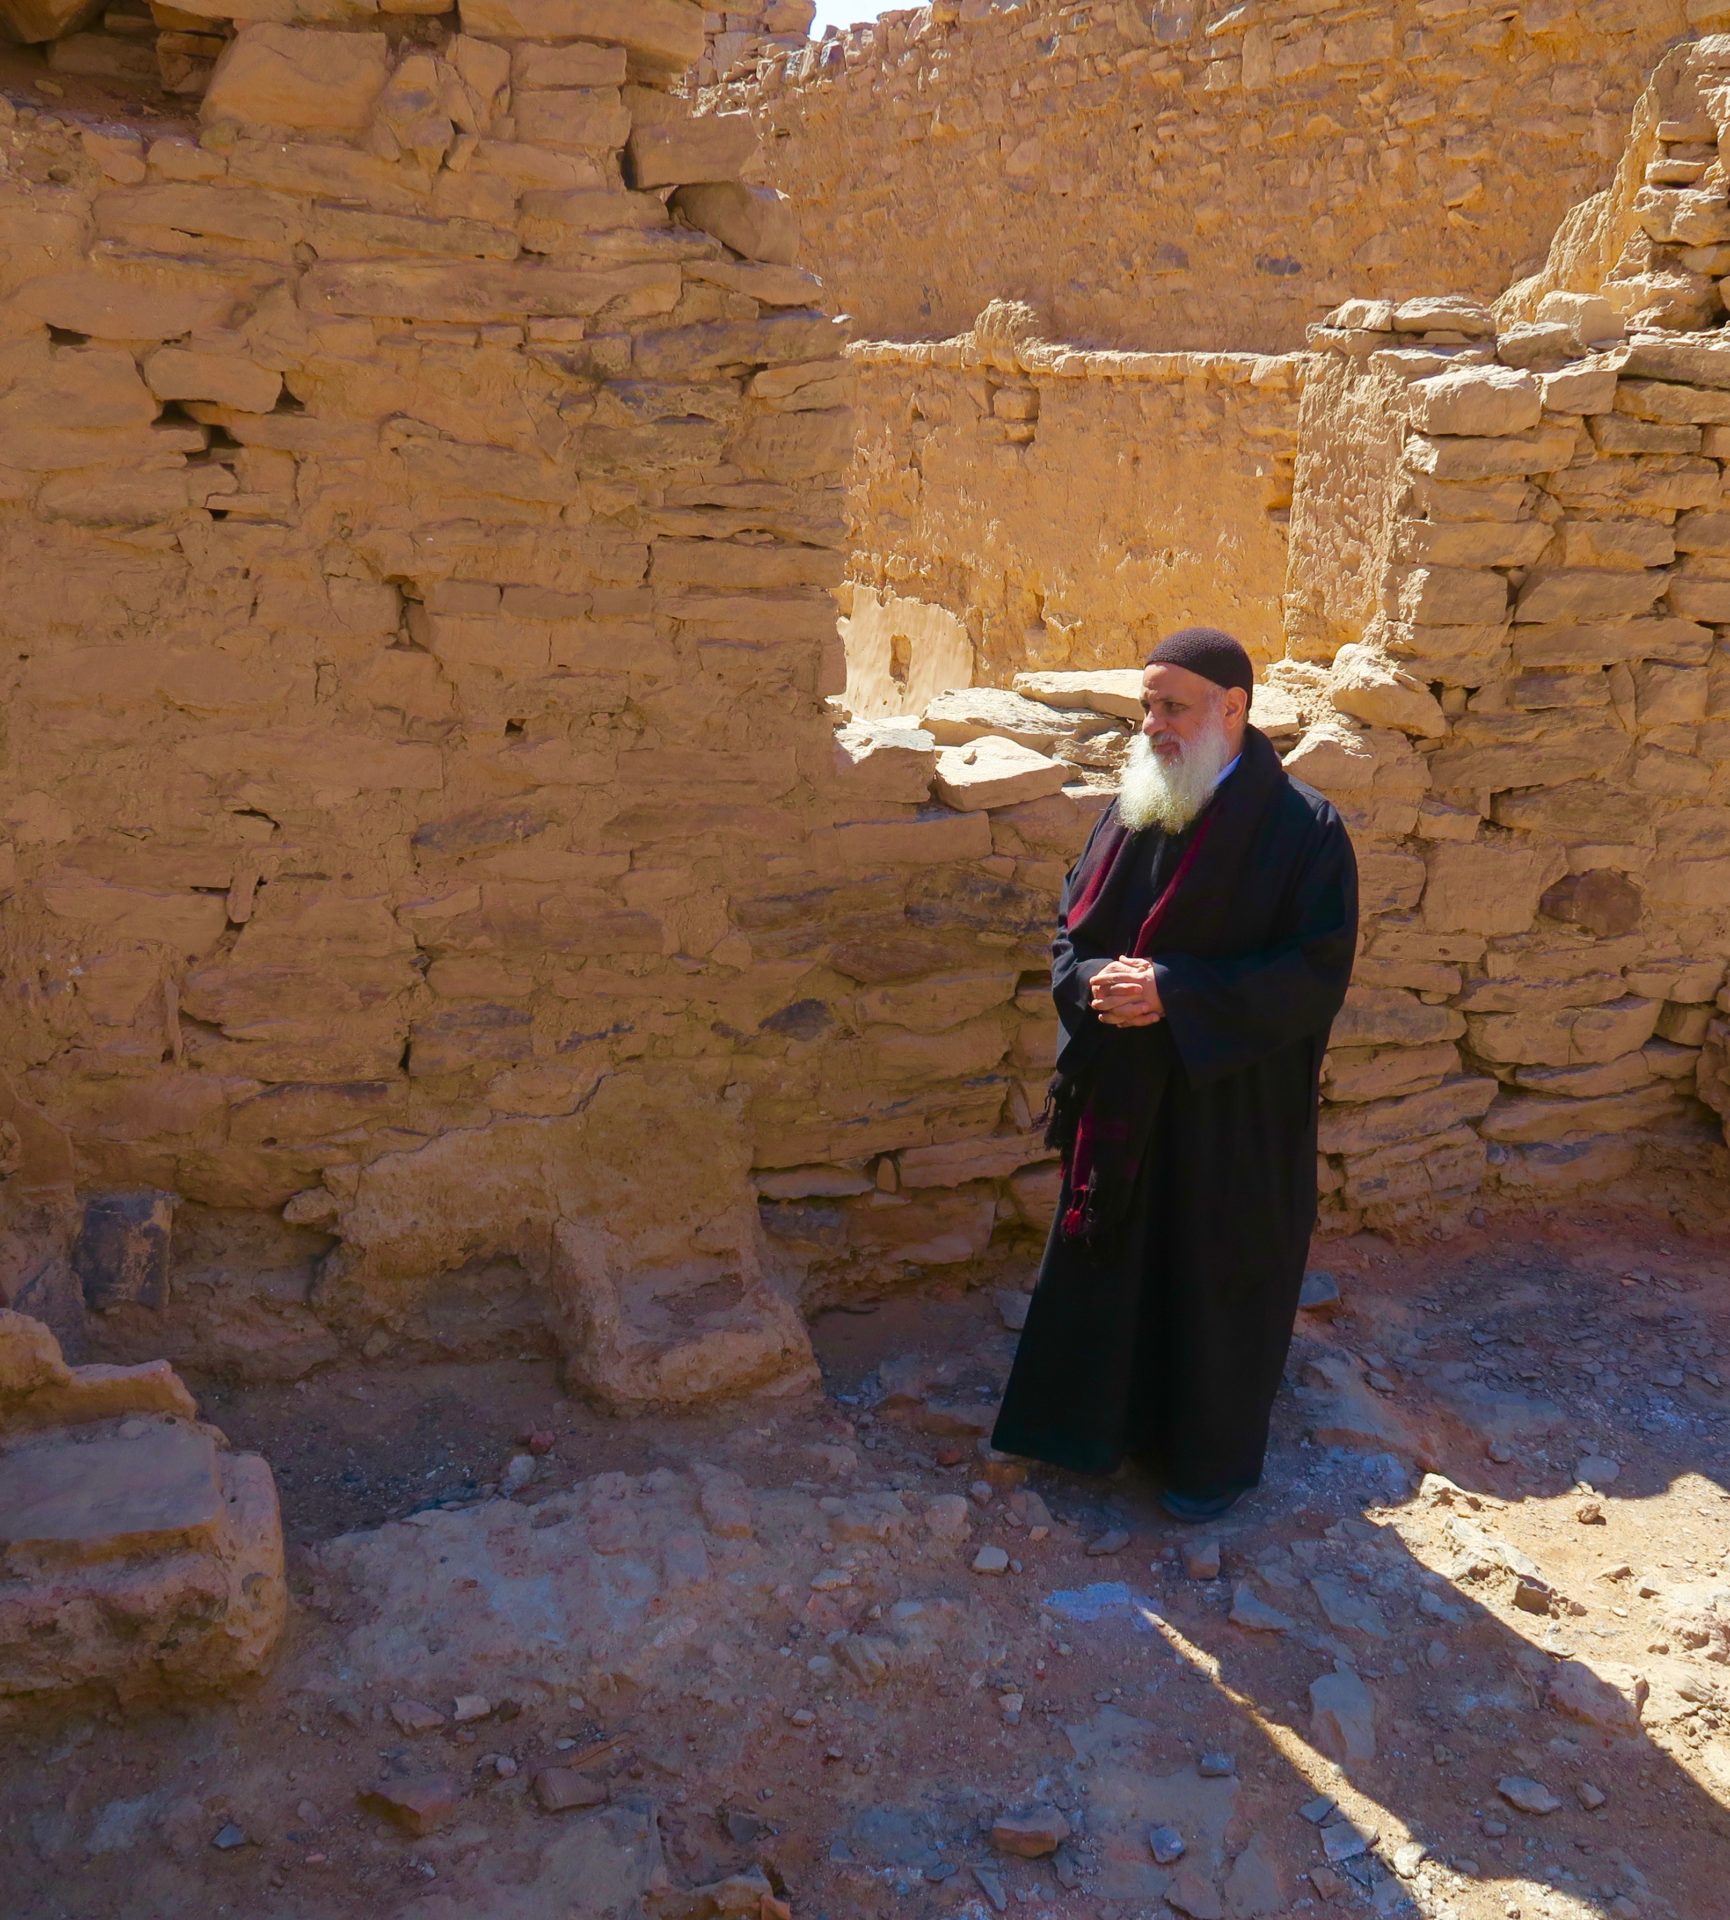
(1065, 507)
(1196, 173)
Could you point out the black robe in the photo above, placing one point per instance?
(1166, 1344)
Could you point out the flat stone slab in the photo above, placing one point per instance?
(113, 1492)
(1113, 690)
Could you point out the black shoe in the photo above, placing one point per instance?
(1193, 1507)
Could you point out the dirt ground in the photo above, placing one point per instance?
(748, 1656)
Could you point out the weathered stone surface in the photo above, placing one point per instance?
(757, 222)
(706, 149)
(1343, 1717)
(1114, 691)
(993, 772)
(300, 77)
(145, 1560)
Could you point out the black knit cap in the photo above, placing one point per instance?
(1216, 656)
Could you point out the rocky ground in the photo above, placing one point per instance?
(1467, 1652)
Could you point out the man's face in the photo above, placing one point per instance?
(1179, 707)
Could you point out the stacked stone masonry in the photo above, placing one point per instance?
(736, 38)
(1061, 507)
(139, 1558)
(1184, 175)
(434, 877)
(438, 879)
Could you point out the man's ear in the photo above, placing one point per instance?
(1236, 705)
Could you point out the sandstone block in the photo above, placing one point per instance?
(279, 76)
(1448, 596)
(993, 772)
(1388, 1017)
(892, 760)
(483, 290)
(710, 147)
(1588, 594)
(1664, 402)
(1541, 450)
(1478, 401)
(144, 1560)
(227, 379)
(36, 20)
(1698, 360)
(756, 222)
(1532, 1119)
(108, 306)
(1486, 888)
(661, 36)
(967, 713)
(573, 117)
(1115, 691)
(1377, 1124)
(575, 65)
(1582, 388)
(1374, 690)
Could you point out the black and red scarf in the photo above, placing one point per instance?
(1102, 1110)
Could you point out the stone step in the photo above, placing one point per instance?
(97, 1493)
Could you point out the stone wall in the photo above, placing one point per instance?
(1197, 173)
(1062, 507)
(736, 38)
(1512, 564)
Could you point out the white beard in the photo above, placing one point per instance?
(1169, 793)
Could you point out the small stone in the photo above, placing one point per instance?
(992, 1888)
(505, 1767)
(416, 1805)
(1029, 1832)
(1493, 1829)
(1317, 1810)
(1590, 1513)
(1597, 1470)
(225, 1839)
(539, 1442)
(1328, 1885)
(1192, 1894)
(1409, 1857)
(802, 1717)
(1216, 1766)
(1532, 1596)
(830, 1580)
(1500, 1452)
(470, 1706)
(1113, 1541)
(1255, 1615)
(1166, 1843)
(991, 1560)
(1320, 1293)
(1200, 1559)
(1343, 1841)
(1343, 1717)
(565, 1790)
(415, 1716)
(520, 1469)
(1380, 1382)
(1529, 1796)
(1012, 1306)
(1589, 1796)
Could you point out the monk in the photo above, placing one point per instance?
(1204, 944)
